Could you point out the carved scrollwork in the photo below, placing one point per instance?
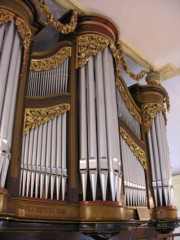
(88, 45)
(6, 16)
(127, 100)
(34, 117)
(51, 62)
(138, 152)
(149, 112)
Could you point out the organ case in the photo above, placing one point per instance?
(86, 148)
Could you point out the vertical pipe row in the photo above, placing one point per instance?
(43, 161)
(134, 177)
(48, 82)
(10, 60)
(160, 163)
(127, 117)
(99, 139)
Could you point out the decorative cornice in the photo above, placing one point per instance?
(88, 45)
(149, 112)
(34, 117)
(138, 152)
(50, 62)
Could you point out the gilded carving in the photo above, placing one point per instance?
(134, 76)
(51, 62)
(149, 112)
(138, 152)
(26, 35)
(63, 28)
(88, 45)
(127, 100)
(34, 117)
(6, 16)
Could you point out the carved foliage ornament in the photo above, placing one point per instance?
(23, 29)
(127, 100)
(63, 28)
(88, 45)
(51, 62)
(138, 152)
(149, 112)
(134, 76)
(34, 117)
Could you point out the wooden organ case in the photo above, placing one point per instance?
(79, 151)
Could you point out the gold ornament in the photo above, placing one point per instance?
(138, 152)
(134, 76)
(88, 45)
(34, 117)
(6, 16)
(63, 28)
(51, 62)
(127, 100)
(149, 112)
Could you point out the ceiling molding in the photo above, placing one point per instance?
(167, 71)
(68, 4)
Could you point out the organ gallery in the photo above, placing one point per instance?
(80, 152)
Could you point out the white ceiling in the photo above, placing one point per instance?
(151, 29)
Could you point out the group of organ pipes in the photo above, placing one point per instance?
(79, 120)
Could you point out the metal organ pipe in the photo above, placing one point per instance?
(10, 47)
(101, 125)
(91, 118)
(83, 164)
(5, 59)
(44, 169)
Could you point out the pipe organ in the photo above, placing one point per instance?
(76, 144)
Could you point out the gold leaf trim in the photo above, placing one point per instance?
(63, 28)
(26, 35)
(88, 45)
(122, 89)
(51, 62)
(127, 100)
(149, 112)
(138, 152)
(6, 16)
(132, 75)
(34, 117)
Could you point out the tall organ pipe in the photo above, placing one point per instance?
(91, 118)
(83, 132)
(101, 125)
